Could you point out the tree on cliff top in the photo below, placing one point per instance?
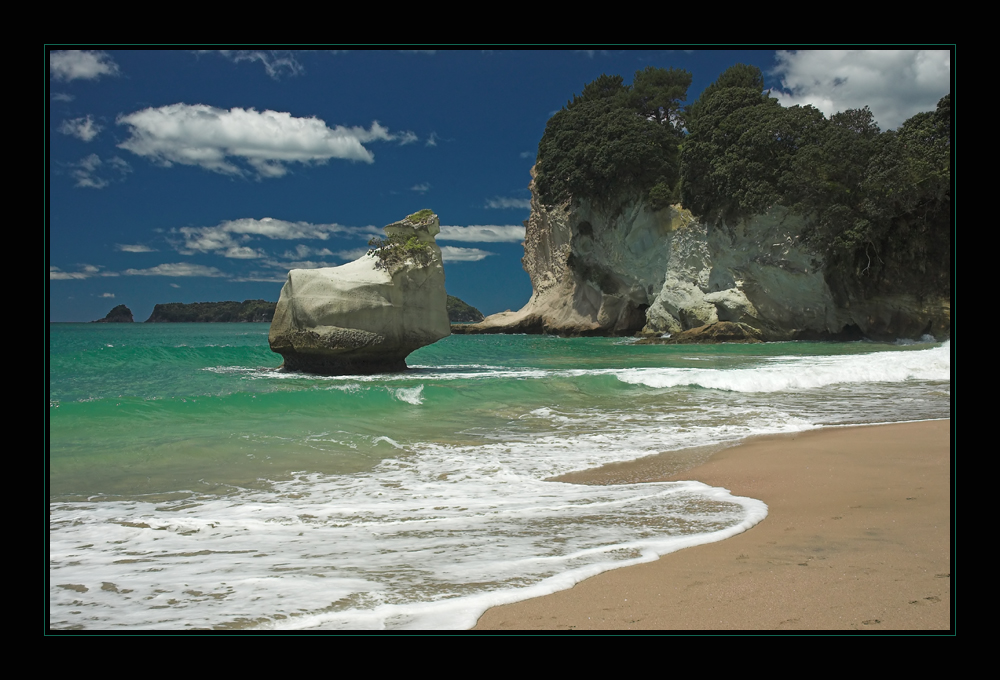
(615, 139)
(877, 204)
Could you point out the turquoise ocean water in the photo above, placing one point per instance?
(194, 486)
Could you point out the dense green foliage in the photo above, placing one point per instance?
(877, 203)
(615, 139)
(394, 250)
(420, 215)
(200, 312)
(462, 312)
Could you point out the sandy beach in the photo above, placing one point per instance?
(857, 537)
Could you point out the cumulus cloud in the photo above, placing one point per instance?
(208, 137)
(176, 269)
(501, 202)
(453, 254)
(894, 84)
(230, 237)
(483, 234)
(81, 64)
(82, 128)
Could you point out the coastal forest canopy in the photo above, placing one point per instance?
(877, 203)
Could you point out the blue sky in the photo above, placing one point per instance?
(205, 175)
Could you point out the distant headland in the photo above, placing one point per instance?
(248, 311)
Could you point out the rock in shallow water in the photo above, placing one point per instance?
(368, 315)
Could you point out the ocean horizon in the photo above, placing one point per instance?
(194, 486)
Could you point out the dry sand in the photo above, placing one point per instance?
(857, 537)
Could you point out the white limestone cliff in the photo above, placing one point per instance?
(631, 269)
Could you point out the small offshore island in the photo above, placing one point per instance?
(248, 311)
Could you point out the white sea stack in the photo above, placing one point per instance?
(360, 318)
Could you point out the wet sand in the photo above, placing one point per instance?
(857, 537)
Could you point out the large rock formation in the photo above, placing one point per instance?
(367, 315)
(626, 268)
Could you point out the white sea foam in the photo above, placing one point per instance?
(440, 531)
(804, 372)
(411, 395)
(365, 550)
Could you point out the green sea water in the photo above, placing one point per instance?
(182, 461)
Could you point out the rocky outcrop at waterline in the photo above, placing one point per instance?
(368, 315)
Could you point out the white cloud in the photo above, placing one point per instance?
(259, 277)
(407, 137)
(228, 236)
(86, 64)
(209, 137)
(62, 97)
(86, 271)
(243, 253)
(453, 254)
(276, 62)
(423, 187)
(83, 128)
(504, 203)
(136, 248)
(85, 171)
(56, 274)
(527, 154)
(176, 269)
(353, 254)
(483, 234)
(432, 140)
(894, 84)
(303, 251)
(107, 295)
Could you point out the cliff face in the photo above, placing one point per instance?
(633, 269)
